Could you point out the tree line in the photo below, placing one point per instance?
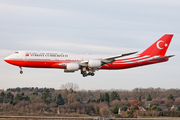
(69, 99)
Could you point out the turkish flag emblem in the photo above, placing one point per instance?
(27, 54)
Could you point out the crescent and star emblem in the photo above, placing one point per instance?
(159, 43)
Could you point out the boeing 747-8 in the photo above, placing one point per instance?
(88, 64)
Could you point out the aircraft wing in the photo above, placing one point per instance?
(161, 58)
(112, 58)
(105, 60)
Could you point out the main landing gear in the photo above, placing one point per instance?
(21, 72)
(85, 73)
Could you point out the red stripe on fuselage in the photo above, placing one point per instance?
(35, 64)
(55, 64)
(125, 65)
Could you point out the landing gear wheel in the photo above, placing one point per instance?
(84, 75)
(21, 72)
(92, 74)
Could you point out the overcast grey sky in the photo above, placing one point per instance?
(89, 26)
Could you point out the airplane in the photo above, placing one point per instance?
(87, 63)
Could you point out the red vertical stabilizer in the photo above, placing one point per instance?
(159, 47)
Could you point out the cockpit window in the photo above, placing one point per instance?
(16, 52)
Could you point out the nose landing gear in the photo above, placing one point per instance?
(21, 72)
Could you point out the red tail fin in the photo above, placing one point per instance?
(159, 47)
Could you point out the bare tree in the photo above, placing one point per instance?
(115, 103)
(75, 105)
(72, 97)
(177, 101)
(71, 87)
(169, 103)
(104, 111)
(157, 102)
(154, 92)
(138, 93)
(135, 102)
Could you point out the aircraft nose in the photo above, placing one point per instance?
(6, 59)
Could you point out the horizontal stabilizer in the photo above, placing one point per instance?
(161, 58)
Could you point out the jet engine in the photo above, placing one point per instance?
(72, 67)
(94, 63)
